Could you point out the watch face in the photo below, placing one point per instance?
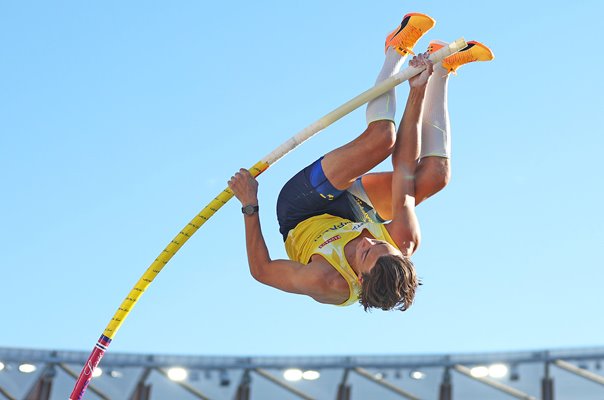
(249, 209)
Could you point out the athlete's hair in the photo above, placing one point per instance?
(390, 285)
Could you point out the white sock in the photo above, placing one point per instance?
(436, 129)
(384, 107)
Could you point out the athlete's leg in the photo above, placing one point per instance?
(434, 170)
(345, 164)
(428, 181)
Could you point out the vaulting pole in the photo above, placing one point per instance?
(220, 200)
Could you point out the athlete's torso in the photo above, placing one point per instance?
(326, 236)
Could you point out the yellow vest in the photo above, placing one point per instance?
(327, 235)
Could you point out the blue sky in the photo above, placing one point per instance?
(120, 121)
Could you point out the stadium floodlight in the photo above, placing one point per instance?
(116, 374)
(27, 368)
(1, 365)
(97, 372)
(311, 375)
(498, 370)
(479, 372)
(417, 375)
(293, 374)
(177, 374)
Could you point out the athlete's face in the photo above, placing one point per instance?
(369, 250)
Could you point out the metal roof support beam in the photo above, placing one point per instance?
(344, 387)
(547, 385)
(243, 390)
(91, 387)
(142, 391)
(6, 394)
(122, 360)
(185, 386)
(365, 374)
(282, 384)
(42, 387)
(494, 384)
(580, 371)
(446, 388)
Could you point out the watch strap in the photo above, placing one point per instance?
(250, 209)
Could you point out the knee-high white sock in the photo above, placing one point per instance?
(436, 130)
(384, 107)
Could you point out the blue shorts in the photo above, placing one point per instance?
(309, 193)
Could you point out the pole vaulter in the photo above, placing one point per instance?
(139, 288)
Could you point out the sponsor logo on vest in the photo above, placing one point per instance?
(336, 237)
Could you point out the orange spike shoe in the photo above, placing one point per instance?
(413, 26)
(474, 51)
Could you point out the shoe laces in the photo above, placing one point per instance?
(410, 36)
(460, 58)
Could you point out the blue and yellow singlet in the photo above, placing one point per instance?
(327, 235)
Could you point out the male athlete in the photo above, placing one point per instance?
(333, 213)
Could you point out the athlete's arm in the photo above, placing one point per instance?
(404, 227)
(286, 275)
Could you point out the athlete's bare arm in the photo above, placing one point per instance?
(404, 227)
(286, 275)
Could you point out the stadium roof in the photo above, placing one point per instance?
(545, 374)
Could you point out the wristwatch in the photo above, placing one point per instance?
(249, 209)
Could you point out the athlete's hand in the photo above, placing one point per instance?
(245, 187)
(420, 80)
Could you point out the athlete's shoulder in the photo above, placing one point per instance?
(331, 287)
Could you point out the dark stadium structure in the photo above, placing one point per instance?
(571, 374)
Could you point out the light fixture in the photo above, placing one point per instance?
(27, 368)
(97, 372)
(224, 378)
(177, 374)
(311, 375)
(292, 374)
(479, 372)
(417, 375)
(1, 365)
(379, 376)
(115, 374)
(498, 370)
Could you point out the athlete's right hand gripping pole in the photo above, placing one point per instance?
(220, 200)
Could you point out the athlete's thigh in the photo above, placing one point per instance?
(378, 186)
(431, 176)
(345, 164)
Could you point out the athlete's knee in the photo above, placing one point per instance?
(432, 175)
(383, 136)
(441, 171)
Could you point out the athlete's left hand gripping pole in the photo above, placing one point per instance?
(226, 195)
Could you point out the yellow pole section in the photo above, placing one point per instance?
(168, 253)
